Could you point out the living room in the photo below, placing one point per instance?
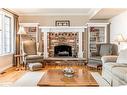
(56, 47)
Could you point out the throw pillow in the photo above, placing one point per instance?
(122, 58)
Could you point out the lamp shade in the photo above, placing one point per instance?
(120, 38)
(21, 31)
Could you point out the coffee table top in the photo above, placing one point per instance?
(55, 77)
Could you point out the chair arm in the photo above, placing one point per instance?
(39, 53)
(24, 54)
(94, 54)
(109, 58)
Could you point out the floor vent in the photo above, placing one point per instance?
(2, 73)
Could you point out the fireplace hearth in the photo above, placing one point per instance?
(62, 50)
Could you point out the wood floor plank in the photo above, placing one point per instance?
(11, 74)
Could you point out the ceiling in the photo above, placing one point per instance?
(107, 13)
(91, 13)
(52, 11)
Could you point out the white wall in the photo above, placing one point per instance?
(6, 62)
(50, 20)
(119, 26)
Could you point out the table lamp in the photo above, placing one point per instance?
(120, 38)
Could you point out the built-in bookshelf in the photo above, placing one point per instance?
(97, 34)
(31, 30)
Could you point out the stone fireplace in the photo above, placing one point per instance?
(62, 50)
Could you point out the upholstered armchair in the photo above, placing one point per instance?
(102, 50)
(30, 53)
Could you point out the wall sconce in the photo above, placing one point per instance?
(120, 38)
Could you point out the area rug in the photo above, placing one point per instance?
(99, 79)
(6, 84)
(32, 78)
(29, 79)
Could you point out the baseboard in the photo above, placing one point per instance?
(3, 69)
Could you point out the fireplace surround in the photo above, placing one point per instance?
(62, 44)
(72, 36)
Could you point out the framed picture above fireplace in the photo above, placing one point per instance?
(62, 23)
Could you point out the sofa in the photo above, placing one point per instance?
(114, 68)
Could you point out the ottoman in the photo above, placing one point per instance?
(35, 66)
(97, 66)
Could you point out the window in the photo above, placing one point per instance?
(6, 33)
(1, 34)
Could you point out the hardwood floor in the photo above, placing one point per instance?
(11, 75)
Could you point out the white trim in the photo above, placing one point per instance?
(6, 54)
(97, 24)
(10, 65)
(4, 13)
(45, 45)
(80, 53)
(56, 14)
(62, 26)
(63, 29)
(94, 12)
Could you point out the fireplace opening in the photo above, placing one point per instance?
(62, 50)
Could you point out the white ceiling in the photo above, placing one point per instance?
(107, 13)
(91, 13)
(53, 11)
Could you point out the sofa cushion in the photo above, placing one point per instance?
(30, 57)
(110, 65)
(122, 58)
(120, 72)
(105, 49)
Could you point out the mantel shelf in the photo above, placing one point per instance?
(63, 29)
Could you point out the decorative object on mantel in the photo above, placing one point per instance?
(62, 23)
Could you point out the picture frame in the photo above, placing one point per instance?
(62, 23)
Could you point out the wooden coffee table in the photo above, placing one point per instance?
(56, 78)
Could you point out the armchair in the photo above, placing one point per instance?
(30, 53)
(102, 50)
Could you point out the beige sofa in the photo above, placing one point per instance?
(114, 69)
